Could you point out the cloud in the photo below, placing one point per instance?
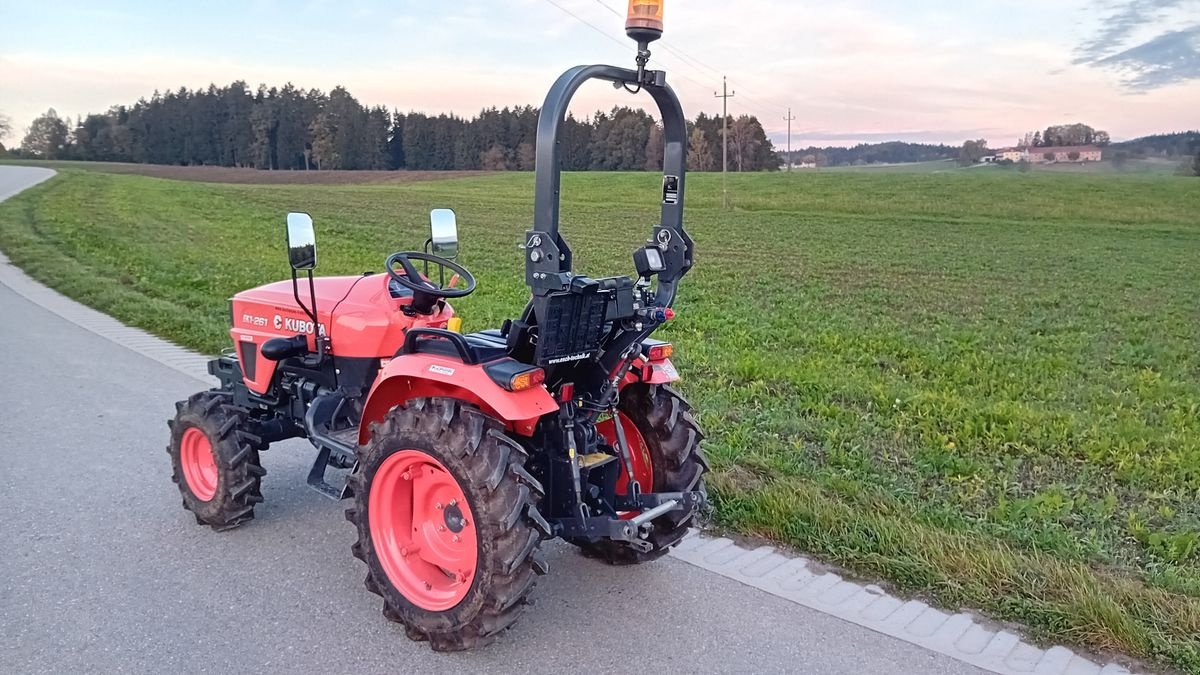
(1121, 25)
(1170, 58)
(1124, 46)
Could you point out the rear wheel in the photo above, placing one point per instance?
(447, 522)
(664, 440)
(215, 461)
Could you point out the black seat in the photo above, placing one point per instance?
(472, 349)
(495, 335)
(485, 347)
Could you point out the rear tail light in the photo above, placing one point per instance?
(526, 380)
(514, 375)
(660, 352)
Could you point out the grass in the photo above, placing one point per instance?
(982, 386)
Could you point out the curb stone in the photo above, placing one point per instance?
(958, 635)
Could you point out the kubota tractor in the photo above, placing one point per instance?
(465, 452)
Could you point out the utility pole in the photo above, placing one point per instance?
(725, 95)
(789, 119)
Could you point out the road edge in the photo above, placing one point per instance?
(958, 636)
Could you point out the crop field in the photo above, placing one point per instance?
(982, 386)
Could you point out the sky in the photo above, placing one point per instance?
(850, 71)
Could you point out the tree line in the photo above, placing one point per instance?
(1180, 144)
(289, 128)
(891, 152)
(1065, 135)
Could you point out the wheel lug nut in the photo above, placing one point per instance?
(457, 538)
(439, 506)
(441, 528)
(453, 502)
(406, 475)
(428, 586)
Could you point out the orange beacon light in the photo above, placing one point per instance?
(644, 22)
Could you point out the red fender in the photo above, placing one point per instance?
(427, 375)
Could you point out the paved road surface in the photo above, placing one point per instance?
(102, 571)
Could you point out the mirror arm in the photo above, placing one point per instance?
(311, 313)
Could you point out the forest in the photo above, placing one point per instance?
(290, 128)
(890, 152)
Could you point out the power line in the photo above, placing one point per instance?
(610, 37)
(696, 64)
(587, 23)
(612, 10)
(676, 52)
(686, 58)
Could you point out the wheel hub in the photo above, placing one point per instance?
(199, 465)
(454, 519)
(422, 530)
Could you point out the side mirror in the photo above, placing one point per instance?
(302, 241)
(444, 238)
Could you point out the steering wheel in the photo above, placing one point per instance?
(426, 292)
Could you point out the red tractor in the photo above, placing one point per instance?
(462, 453)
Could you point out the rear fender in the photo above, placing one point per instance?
(427, 376)
(652, 372)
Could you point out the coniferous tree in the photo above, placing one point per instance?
(396, 142)
(289, 128)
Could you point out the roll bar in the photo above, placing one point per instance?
(548, 256)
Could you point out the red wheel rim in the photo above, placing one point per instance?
(199, 465)
(643, 466)
(423, 530)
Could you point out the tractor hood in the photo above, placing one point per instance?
(359, 315)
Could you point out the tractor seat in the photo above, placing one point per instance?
(474, 348)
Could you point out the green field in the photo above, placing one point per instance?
(982, 386)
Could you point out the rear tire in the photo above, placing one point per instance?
(215, 461)
(461, 451)
(672, 435)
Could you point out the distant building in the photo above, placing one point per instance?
(1084, 153)
(1010, 154)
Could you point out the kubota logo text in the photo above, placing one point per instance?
(296, 325)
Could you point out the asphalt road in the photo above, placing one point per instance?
(102, 571)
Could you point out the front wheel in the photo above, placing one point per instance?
(447, 522)
(664, 441)
(214, 460)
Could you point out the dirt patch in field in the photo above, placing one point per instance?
(221, 174)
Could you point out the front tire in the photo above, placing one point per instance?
(669, 436)
(447, 522)
(215, 461)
